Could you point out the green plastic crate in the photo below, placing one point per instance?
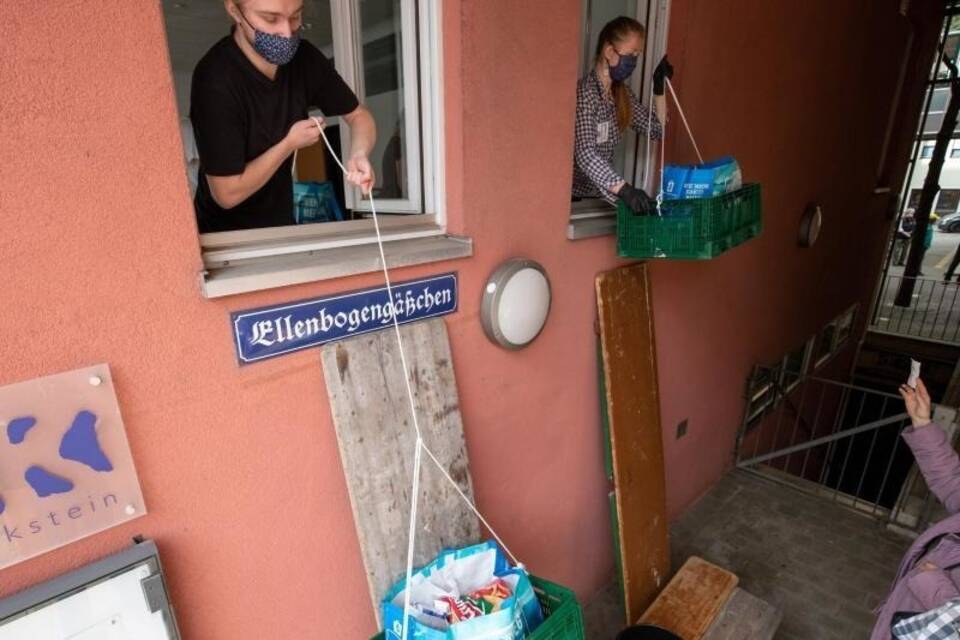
(563, 619)
(694, 229)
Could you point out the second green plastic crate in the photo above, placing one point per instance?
(563, 618)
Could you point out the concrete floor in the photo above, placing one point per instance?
(823, 565)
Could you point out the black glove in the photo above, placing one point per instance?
(637, 199)
(663, 71)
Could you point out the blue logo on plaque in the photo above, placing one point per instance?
(272, 331)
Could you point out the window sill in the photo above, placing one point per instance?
(281, 271)
(592, 227)
(591, 218)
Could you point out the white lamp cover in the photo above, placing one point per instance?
(516, 302)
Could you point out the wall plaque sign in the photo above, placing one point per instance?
(65, 466)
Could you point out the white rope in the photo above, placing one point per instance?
(647, 152)
(663, 146)
(421, 446)
(412, 532)
(684, 118)
(663, 135)
(472, 507)
(386, 277)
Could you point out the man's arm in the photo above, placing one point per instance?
(363, 136)
(229, 191)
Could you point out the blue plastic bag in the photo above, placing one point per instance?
(315, 202)
(460, 572)
(701, 181)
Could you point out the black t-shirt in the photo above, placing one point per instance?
(238, 113)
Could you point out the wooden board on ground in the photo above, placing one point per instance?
(745, 617)
(633, 407)
(692, 600)
(376, 437)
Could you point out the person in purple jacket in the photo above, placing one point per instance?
(929, 574)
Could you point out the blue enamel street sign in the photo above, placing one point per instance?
(273, 331)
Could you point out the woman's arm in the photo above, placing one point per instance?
(598, 169)
(932, 587)
(660, 108)
(937, 459)
(641, 119)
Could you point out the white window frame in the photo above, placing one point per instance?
(348, 56)
(594, 216)
(423, 113)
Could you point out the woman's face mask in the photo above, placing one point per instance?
(624, 67)
(275, 49)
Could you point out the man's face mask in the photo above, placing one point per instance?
(275, 49)
(624, 67)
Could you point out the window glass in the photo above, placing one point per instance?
(383, 85)
(914, 198)
(825, 343)
(794, 366)
(947, 201)
(941, 95)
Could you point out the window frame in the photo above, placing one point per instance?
(348, 60)
(844, 326)
(761, 393)
(807, 348)
(256, 249)
(596, 217)
(823, 359)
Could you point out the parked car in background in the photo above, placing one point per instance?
(950, 223)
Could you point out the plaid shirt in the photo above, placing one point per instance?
(937, 624)
(597, 137)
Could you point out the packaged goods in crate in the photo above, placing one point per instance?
(701, 180)
(465, 594)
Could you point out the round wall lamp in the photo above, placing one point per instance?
(516, 302)
(810, 224)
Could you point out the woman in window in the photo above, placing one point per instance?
(606, 106)
(248, 104)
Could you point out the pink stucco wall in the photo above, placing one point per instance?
(239, 466)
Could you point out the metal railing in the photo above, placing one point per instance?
(933, 314)
(838, 441)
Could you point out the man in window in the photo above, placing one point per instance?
(248, 104)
